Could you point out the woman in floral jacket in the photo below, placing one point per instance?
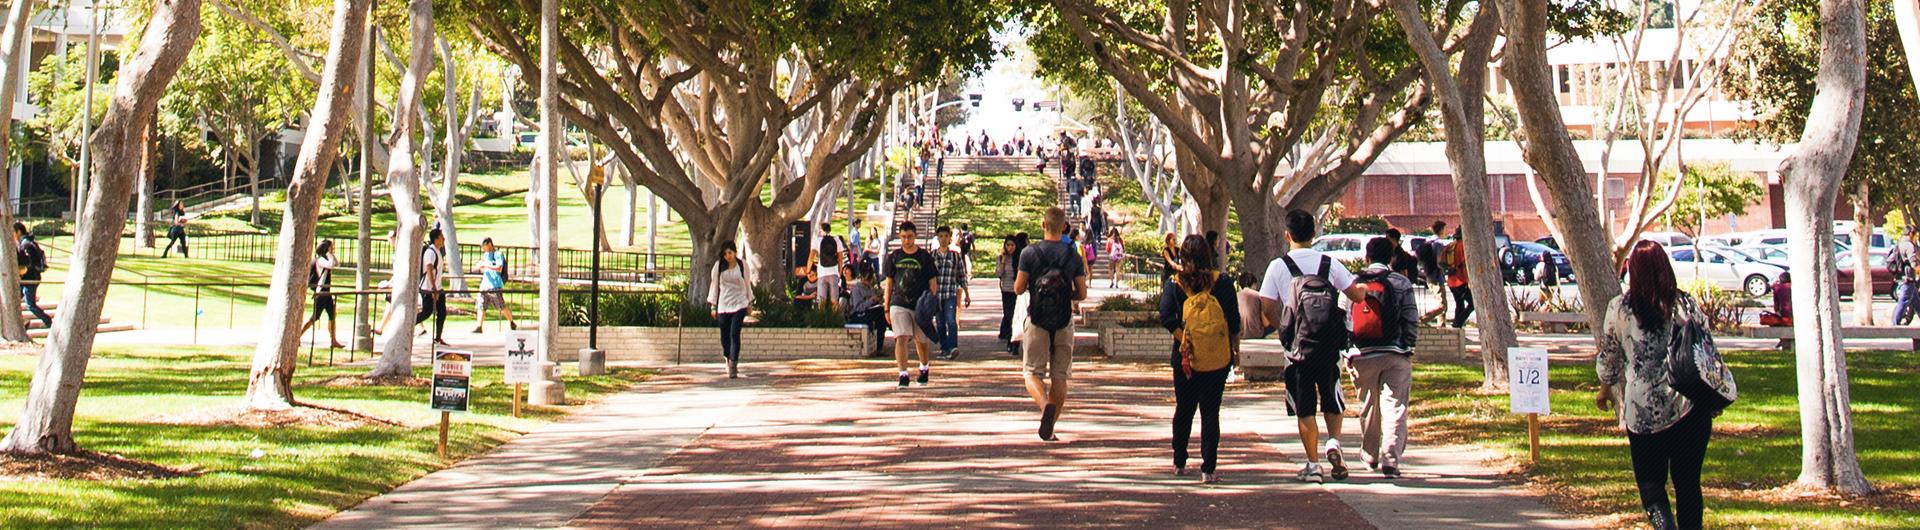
(1665, 434)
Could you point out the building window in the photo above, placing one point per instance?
(1566, 80)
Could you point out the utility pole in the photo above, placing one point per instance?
(549, 390)
(363, 274)
(86, 113)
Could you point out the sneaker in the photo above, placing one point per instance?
(1047, 419)
(904, 380)
(1209, 478)
(1311, 473)
(1179, 471)
(1390, 471)
(1338, 464)
(923, 376)
(513, 326)
(477, 330)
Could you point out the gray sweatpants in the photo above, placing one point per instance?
(1384, 382)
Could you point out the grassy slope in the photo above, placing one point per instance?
(1756, 445)
(305, 474)
(997, 206)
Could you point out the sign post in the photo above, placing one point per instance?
(452, 375)
(1529, 392)
(520, 363)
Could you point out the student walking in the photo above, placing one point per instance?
(433, 294)
(953, 270)
(32, 261)
(1386, 325)
(1004, 266)
(1202, 310)
(320, 283)
(1313, 330)
(493, 279)
(828, 256)
(731, 296)
(1667, 432)
(1054, 276)
(176, 235)
(909, 273)
(1116, 256)
(1900, 263)
(1454, 260)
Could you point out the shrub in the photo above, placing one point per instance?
(1126, 303)
(1725, 309)
(647, 309)
(1371, 224)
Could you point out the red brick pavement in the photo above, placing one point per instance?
(835, 445)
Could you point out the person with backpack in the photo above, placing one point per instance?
(1300, 293)
(1454, 261)
(1386, 325)
(320, 283)
(1054, 277)
(909, 273)
(1900, 263)
(433, 295)
(952, 270)
(828, 256)
(493, 279)
(1428, 252)
(33, 263)
(1657, 365)
(1201, 307)
(965, 239)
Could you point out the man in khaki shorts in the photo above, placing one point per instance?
(1054, 278)
(909, 275)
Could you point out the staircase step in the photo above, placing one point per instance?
(104, 328)
(34, 322)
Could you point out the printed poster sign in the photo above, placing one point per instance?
(1527, 381)
(452, 371)
(521, 346)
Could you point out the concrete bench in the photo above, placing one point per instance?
(1785, 333)
(1554, 321)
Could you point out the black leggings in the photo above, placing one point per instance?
(1199, 393)
(730, 334)
(1678, 451)
(1462, 305)
(1007, 301)
(433, 304)
(175, 238)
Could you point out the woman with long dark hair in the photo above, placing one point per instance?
(320, 282)
(1666, 434)
(731, 295)
(1008, 267)
(1202, 357)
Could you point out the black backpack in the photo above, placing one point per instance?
(1318, 324)
(36, 258)
(1052, 305)
(829, 251)
(1696, 370)
(504, 278)
(1898, 264)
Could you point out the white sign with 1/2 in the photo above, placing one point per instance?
(1527, 381)
(520, 357)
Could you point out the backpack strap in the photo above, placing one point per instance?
(1292, 267)
(1326, 264)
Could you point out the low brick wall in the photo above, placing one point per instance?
(1096, 319)
(1136, 344)
(703, 344)
(1442, 345)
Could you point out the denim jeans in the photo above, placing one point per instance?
(1904, 305)
(946, 327)
(31, 294)
(730, 334)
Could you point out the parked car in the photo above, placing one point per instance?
(1724, 269)
(1667, 239)
(1549, 242)
(1877, 268)
(1520, 262)
(1348, 248)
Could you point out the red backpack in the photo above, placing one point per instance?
(1369, 314)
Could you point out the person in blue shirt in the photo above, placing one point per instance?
(493, 279)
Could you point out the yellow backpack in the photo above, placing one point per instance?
(1207, 345)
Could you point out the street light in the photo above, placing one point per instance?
(593, 359)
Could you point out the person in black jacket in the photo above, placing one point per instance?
(1199, 390)
(1383, 366)
(32, 261)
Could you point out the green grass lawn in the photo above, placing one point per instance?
(997, 206)
(1756, 448)
(303, 473)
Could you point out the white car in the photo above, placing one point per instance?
(1723, 268)
(1344, 247)
(1667, 239)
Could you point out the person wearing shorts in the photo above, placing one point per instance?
(909, 274)
(1047, 355)
(320, 282)
(1313, 384)
(493, 279)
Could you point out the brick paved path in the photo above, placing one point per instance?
(833, 444)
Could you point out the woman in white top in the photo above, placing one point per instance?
(731, 296)
(320, 281)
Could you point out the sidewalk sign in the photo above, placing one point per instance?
(520, 363)
(1528, 391)
(452, 375)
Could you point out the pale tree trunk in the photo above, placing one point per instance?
(253, 186)
(1549, 150)
(46, 424)
(1812, 178)
(630, 220)
(457, 131)
(403, 186)
(1862, 257)
(143, 202)
(1462, 97)
(547, 180)
(18, 20)
(270, 384)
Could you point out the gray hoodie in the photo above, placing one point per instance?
(1408, 312)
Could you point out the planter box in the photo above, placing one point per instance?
(1096, 319)
(1443, 345)
(1136, 344)
(703, 344)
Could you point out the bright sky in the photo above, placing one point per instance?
(1006, 79)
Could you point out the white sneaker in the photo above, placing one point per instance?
(1311, 473)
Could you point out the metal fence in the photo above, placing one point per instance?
(575, 264)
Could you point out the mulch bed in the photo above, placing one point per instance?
(84, 465)
(21, 348)
(355, 381)
(300, 415)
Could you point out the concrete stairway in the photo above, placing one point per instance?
(38, 330)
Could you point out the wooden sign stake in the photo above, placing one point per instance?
(517, 388)
(444, 418)
(1533, 438)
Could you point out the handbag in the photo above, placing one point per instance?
(1696, 371)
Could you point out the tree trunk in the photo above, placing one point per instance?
(1812, 178)
(1862, 257)
(1549, 150)
(16, 41)
(403, 186)
(450, 179)
(630, 220)
(253, 189)
(46, 424)
(270, 384)
(143, 202)
(766, 237)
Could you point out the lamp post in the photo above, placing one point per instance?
(593, 360)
